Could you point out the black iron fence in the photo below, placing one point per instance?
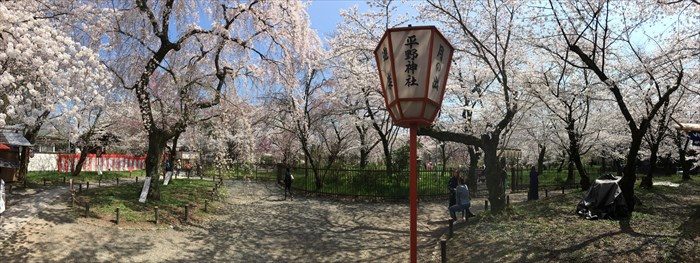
(383, 184)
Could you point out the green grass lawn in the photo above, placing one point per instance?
(104, 201)
(666, 227)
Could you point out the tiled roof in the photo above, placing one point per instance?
(13, 138)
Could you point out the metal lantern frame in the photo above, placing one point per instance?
(398, 117)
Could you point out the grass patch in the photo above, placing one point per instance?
(666, 227)
(35, 178)
(104, 201)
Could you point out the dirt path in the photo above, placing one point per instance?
(23, 206)
(254, 225)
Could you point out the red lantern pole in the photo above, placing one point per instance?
(413, 191)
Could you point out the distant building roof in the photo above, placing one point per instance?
(13, 138)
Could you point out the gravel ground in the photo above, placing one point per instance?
(254, 224)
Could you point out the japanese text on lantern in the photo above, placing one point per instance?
(389, 81)
(438, 67)
(410, 56)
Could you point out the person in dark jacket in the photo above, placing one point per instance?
(452, 185)
(288, 184)
(463, 202)
(533, 193)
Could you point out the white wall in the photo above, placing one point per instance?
(43, 162)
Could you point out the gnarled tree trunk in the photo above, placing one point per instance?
(473, 163)
(84, 151)
(647, 181)
(154, 160)
(494, 173)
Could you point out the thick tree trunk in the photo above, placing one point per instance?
(84, 151)
(23, 164)
(30, 135)
(364, 158)
(364, 146)
(682, 146)
(443, 158)
(630, 170)
(388, 163)
(494, 173)
(540, 158)
(570, 172)
(154, 161)
(24, 154)
(173, 150)
(561, 164)
(584, 180)
(310, 160)
(471, 174)
(575, 159)
(647, 181)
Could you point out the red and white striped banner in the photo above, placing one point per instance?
(108, 162)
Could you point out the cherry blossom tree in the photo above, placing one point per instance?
(602, 38)
(485, 34)
(352, 48)
(657, 135)
(569, 95)
(44, 74)
(166, 43)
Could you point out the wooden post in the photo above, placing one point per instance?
(187, 213)
(44, 181)
(117, 219)
(546, 192)
(80, 187)
(87, 209)
(117, 181)
(507, 199)
(486, 205)
(137, 179)
(562, 189)
(451, 230)
(7, 196)
(443, 251)
(87, 185)
(64, 179)
(156, 214)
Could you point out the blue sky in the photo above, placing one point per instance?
(325, 14)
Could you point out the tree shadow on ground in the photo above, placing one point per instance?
(304, 230)
(28, 245)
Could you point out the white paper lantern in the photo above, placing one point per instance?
(413, 63)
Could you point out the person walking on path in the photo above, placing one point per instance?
(533, 193)
(452, 185)
(463, 202)
(288, 184)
